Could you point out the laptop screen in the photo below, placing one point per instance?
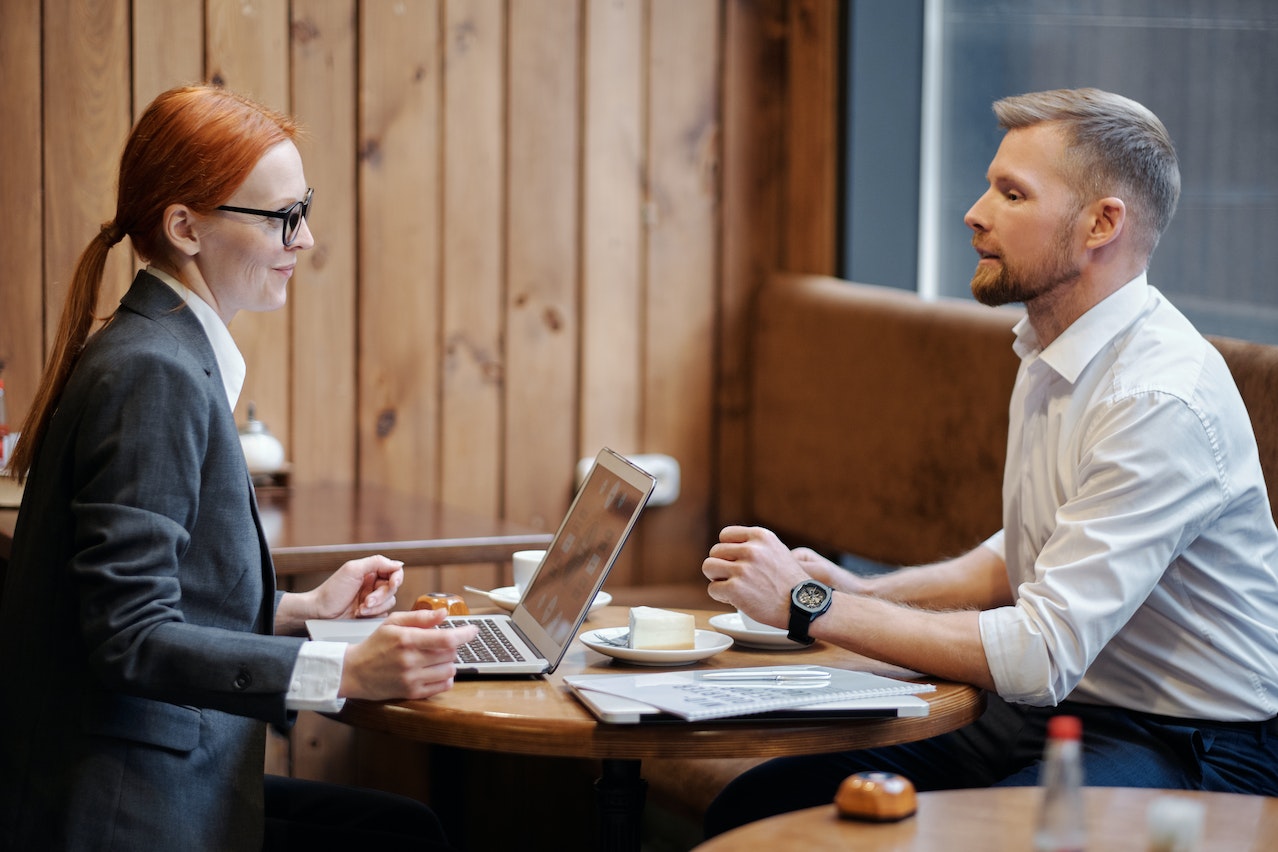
(591, 536)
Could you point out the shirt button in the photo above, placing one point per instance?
(243, 679)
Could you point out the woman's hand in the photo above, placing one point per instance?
(405, 657)
(361, 588)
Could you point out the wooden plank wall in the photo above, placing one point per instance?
(538, 224)
(538, 227)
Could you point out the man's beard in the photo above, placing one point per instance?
(1007, 283)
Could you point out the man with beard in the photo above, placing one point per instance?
(1134, 581)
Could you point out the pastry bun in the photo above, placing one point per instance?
(442, 600)
(875, 797)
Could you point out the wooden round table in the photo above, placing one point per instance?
(997, 819)
(540, 716)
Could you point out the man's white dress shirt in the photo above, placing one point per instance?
(1137, 531)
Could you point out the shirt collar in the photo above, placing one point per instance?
(1078, 344)
(230, 363)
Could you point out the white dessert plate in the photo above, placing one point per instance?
(508, 596)
(771, 639)
(709, 643)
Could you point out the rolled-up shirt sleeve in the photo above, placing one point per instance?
(1133, 509)
(995, 543)
(317, 677)
(1020, 660)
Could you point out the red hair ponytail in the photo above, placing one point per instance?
(193, 145)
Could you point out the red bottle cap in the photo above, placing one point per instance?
(1065, 728)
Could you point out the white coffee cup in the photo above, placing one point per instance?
(525, 564)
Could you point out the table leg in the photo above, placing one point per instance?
(448, 787)
(620, 793)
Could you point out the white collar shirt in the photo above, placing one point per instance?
(1137, 531)
(230, 363)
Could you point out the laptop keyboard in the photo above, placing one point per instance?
(490, 646)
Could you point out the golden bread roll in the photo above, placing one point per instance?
(442, 600)
(875, 797)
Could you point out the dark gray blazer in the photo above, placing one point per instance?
(134, 635)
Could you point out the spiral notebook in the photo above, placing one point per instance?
(702, 694)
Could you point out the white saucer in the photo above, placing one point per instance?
(508, 596)
(771, 639)
(709, 643)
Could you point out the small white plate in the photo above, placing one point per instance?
(708, 642)
(771, 639)
(508, 596)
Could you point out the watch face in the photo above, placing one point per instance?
(811, 596)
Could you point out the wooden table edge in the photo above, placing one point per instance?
(589, 738)
(570, 730)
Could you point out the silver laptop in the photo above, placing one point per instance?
(534, 637)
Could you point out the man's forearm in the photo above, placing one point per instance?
(975, 581)
(945, 644)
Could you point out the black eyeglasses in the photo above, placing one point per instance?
(292, 215)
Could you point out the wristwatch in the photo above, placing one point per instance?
(808, 600)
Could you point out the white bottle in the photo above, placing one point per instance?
(262, 451)
(1061, 818)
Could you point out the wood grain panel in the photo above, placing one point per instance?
(469, 337)
(86, 120)
(168, 47)
(682, 287)
(323, 298)
(247, 51)
(811, 140)
(399, 249)
(542, 239)
(754, 56)
(324, 287)
(473, 239)
(21, 306)
(613, 164)
(473, 300)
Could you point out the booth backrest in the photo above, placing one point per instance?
(1255, 369)
(878, 420)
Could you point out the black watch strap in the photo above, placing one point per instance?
(808, 600)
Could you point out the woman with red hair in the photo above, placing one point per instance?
(143, 642)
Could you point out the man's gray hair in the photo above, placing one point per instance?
(1116, 147)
